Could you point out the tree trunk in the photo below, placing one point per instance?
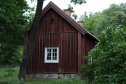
(31, 41)
(89, 81)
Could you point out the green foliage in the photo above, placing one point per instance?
(74, 16)
(78, 1)
(114, 16)
(87, 72)
(70, 8)
(93, 22)
(12, 26)
(109, 57)
(9, 75)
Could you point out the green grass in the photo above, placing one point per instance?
(53, 81)
(8, 75)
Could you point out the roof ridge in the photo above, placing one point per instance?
(66, 17)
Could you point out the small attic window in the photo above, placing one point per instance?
(51, 55)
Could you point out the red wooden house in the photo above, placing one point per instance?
(61, 44)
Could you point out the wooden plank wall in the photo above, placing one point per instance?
(86, 46)
(54, 31)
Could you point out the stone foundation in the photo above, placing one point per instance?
(56, 76)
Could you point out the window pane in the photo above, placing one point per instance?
(54, 54)
(48, 54)
(54, 57)
(48, 50)
(54, 50)
(49, 58)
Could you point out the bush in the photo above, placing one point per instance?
(109, 58)
(10, 76)
(87, 72)
(9, 55)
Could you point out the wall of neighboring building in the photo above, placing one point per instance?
(54, 31)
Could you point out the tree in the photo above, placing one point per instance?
(92, 22)
(31, 43)
(12, 26)
(107, 64)
(113, 16)
(109, 57)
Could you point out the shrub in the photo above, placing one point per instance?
(10, 76)
(109, 58)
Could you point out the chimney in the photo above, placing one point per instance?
(67, 12)
(80, 23)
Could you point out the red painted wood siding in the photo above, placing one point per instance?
(86, 45)
(54, 31)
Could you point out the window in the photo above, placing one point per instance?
(51, 55)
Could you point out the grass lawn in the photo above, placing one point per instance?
(52, 81)
(8, 75)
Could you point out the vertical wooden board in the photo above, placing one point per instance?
(76, 52)
(69, 53)
(42, 53)
(79, 51)
(60, 54)
(39, 60)
(53, 35)
(39, 52)
(64, 51)
(83, 50)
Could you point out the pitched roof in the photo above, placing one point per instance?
(82, 30)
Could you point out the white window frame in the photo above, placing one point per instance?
(51, 61)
